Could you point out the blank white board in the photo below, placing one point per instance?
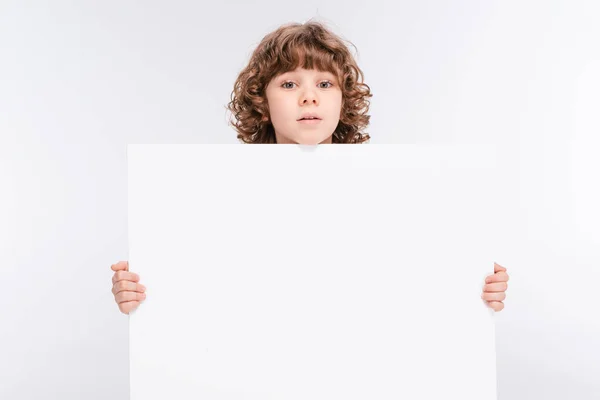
(312, 272)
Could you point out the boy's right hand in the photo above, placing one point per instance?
(128, 292)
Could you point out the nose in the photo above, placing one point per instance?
(309, 96)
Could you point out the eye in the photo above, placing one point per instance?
(286, 85)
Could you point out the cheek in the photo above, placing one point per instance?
(281, 110)
(336, 105)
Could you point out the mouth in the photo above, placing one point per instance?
(309, 120)
(309, 116)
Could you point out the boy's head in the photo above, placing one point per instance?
(296, 70)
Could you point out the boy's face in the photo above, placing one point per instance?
(296, 93)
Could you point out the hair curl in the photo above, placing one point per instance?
(311, 46)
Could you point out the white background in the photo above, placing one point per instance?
(80, 80)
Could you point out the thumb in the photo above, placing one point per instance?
(499, 268)
(120, 266)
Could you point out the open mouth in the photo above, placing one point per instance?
(309, 120)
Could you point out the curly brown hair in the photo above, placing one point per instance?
(310, 46)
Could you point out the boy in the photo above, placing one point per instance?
(301, 86)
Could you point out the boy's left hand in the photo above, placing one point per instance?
(494, 291)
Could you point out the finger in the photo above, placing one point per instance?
(128, 286)
(129, 296)
(496, 305)
(495, 287)
(500, 296)
(498, 268)
(128, 306)
(120, 266)
(125, 275)
(497, 277)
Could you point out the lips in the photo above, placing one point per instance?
(309, 117)
(309, 122)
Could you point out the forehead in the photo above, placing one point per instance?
(306, 72)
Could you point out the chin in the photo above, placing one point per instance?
(307, 138)
(311, 140)
(308, 142)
